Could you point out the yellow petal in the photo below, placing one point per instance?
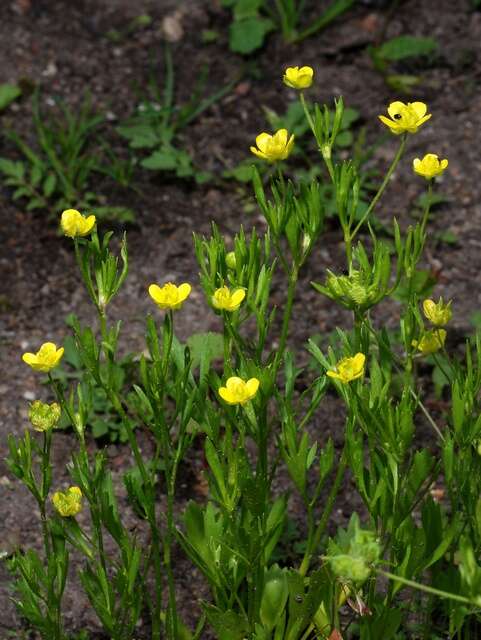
(89, 224)
(396, 107)
(252, 385)
(225, 394)
(258, 153)
(184, 291)
(233, 382)
(423, 120)
(419, 108)
(262, 141)
(333, 374)
(390, 123)
(359, 360)
(238, 296)
(281, 137)
(289, 145)
(444, 164)
(155, 292)
(29, 358)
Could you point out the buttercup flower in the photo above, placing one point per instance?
(44, 416)
(275, 147)
(298, 78)
(431, 341)
(68, 503)
(348, 369)
(227, 301)
(405, 117)
(46, 358)
(437, 312)
(237, 391)
(170, 296)
(74, 224)
(430, 166)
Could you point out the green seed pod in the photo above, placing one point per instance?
(44, 416)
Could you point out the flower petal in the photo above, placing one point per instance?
(252, 385)
(396, 107)
(419, 108)
(263, 140)
(155, 292)
(258, 153)
(184, 291)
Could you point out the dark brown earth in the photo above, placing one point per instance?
(61, 45)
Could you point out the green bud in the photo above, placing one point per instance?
(274, 597)
(44, 416)
(230, 260)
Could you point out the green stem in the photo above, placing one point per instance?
(425, 588)
(383, 186)
(427, 208)
(170, 473)
(316, 538)
(47, 441)
(294, 275)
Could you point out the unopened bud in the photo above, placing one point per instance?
(230, 260)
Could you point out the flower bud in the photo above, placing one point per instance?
(230, 260)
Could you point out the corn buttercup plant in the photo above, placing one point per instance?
(406, 566)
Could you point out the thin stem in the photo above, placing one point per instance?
(427, 208)
(383, 186)
(307, 112)
(47, 440)
(423, 587)
(286, 320)
(316, 538)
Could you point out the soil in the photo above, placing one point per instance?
(62, 46)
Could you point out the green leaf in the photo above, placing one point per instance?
(406, 47)
(228, 625)
(13, 169)
(161, 161)
(247, 9)
(8, 93)
(245, 36)
(140, 136)
(49, 185)
(205, 347)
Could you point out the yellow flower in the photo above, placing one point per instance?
(431, 341)
(237, 391)
(170, 296)
(275, 147)
(437, 312)
(68, 503)
(405, 117)
(430, 166)
(227, 301)
(348, 369)
(46, 358)
(74, 224)
(44, 416)
(298, 78)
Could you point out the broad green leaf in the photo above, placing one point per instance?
(406, 47)
(8, 93)
(245, 36)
